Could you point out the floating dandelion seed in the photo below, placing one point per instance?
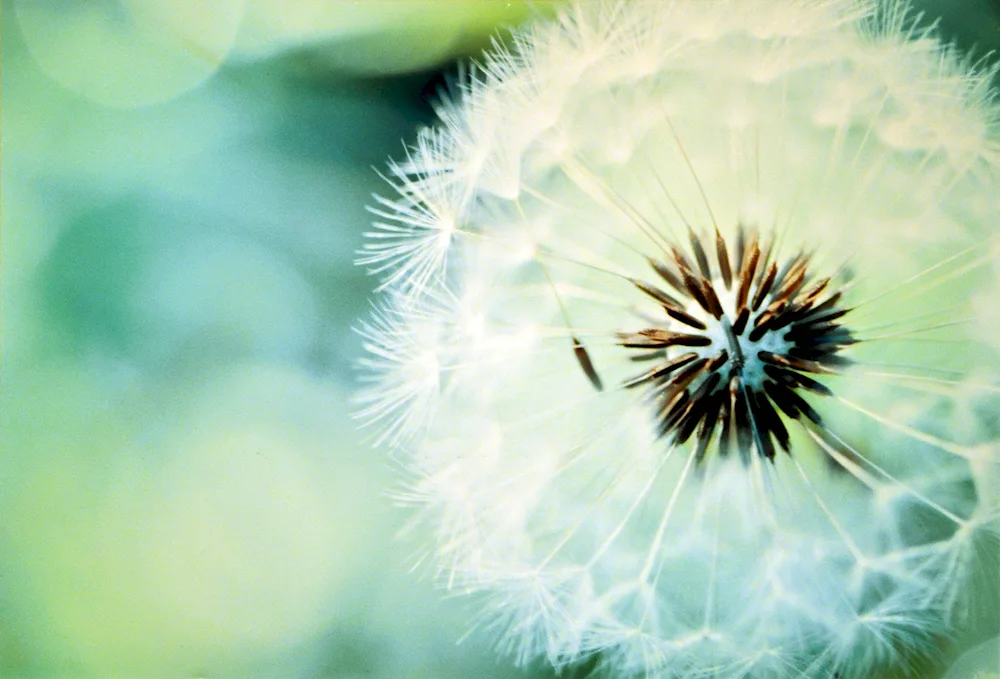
(685, 343)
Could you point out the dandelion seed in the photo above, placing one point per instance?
(701, 379)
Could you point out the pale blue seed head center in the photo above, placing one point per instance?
(718, 331)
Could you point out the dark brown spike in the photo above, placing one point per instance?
(664, 272)
(825, 305)
(675, 338)
(740, 249)
(826, 355)
(639, 379)
(583, 358)
(656, 293)
(742, 292)
(684, 424)
(686, 318)
(672, 409)
(741, 322)
(701, 401)
(795, 379)
(814, 320)
(761, 436)
(776, 307)
(681, 261)
(792, 285)
(764, 287)
(655, 338)
(770, 421)
(838, 335)
(787, 269)
(688, 374)
(769, 315)
(786, 317)
(713, 412)
(723, 256)
(765, 259)
(639, 342)
(636, 341)
(714, 305)
(804, 312)
(707, 388)
(694, 288)
(725, 417)
(791, 403)
(741, 420)
(759, 329)
(766, 321)
(778, 393)
(810, 295)
(699, 255)
(824, 318)
(661, 371)
(718, 361)
(751, 258)
(792, 363)
(746, 274)
(704, 435)
(815, 334)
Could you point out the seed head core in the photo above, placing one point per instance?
(751, 329)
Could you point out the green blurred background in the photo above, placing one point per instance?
(182, 490)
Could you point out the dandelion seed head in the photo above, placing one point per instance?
(687, 341)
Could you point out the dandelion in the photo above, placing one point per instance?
(686, 338)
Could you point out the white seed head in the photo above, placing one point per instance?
(686, 337)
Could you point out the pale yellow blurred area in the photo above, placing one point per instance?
(210, 523)
(132, 53)
(226, 522)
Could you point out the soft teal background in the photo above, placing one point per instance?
(182, 491)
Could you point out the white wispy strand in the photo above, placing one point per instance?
(402, 367)
(410, 242)
(517, 233)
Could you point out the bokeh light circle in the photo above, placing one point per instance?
(129, 53)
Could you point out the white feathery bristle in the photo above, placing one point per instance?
(612, 460)
(413, 234)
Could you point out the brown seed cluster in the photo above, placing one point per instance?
(749, 332)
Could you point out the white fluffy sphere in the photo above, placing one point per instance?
(682, 337)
